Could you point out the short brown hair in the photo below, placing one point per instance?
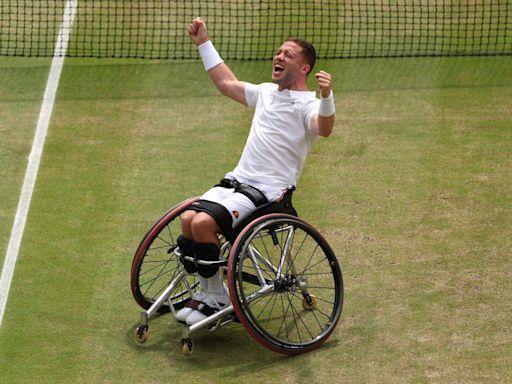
(308, 51)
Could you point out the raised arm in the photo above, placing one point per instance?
(220, 74)
(322, 123)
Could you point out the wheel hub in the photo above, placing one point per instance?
(285, 283)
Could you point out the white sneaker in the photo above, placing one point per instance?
(184, 312)
(212, 304)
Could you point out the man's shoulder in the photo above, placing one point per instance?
(267, 86)
(255, 91)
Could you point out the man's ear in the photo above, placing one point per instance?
(306, 68)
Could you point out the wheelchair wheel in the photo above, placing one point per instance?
(154, 265)
(285, 283)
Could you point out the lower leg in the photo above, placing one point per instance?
(216, 286)
(216, 297)
(201, 229)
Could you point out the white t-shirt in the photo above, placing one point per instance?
(279, 140)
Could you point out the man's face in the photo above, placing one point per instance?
(288, 65)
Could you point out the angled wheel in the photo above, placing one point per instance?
(285, 283)
(141, 334)
(154, 265)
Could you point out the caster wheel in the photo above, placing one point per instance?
(141, 334)
(187, 346)
(309, 302)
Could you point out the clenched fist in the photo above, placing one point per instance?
(197, 31)
(324, 81)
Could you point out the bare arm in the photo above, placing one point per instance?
(323, 125)
(221, 75)
(227, 83)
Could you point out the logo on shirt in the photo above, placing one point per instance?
(236, 214)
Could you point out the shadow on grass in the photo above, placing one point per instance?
(230, 352)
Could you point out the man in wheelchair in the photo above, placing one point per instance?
(287, 121)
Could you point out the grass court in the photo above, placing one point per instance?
(413, 191)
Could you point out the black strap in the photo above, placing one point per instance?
(282, 206)
(201, 307)
(192, 303)
(254, 194)
(219, 213)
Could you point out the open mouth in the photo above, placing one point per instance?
(278, 68)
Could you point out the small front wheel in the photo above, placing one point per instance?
(187, 346)
(141, 334)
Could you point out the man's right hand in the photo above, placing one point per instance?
(221, 75)
(197, 31)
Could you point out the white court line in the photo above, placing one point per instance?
(36, 152)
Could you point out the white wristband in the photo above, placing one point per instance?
(327, 106)
(209, 54)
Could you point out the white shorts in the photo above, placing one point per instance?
(238, 205)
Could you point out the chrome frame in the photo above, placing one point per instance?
(225, 315)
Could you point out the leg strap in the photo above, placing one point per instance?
(219, 213)
(185, 246)
(199, 251)
(206, 252)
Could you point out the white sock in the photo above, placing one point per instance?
(216, 286)
(203, 283)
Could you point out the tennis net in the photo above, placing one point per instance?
(253, 29)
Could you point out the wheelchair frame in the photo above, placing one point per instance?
(288, 302)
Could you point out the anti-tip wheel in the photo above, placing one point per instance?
(187, 346)
(141, 334)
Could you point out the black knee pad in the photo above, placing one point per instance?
(206, 252)
(186, 249)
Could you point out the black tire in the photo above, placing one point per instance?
(154, 265)
(293, 312)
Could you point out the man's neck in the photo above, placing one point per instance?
(295, 87)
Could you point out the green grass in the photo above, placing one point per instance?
(412, 190)
(22, 85)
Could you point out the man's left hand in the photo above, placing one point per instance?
(324, 81)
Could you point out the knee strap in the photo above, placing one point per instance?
(219, 213)
(206, 252)
(186, 249)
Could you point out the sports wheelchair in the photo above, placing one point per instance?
(284, 281)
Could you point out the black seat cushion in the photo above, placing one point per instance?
(283, 206)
